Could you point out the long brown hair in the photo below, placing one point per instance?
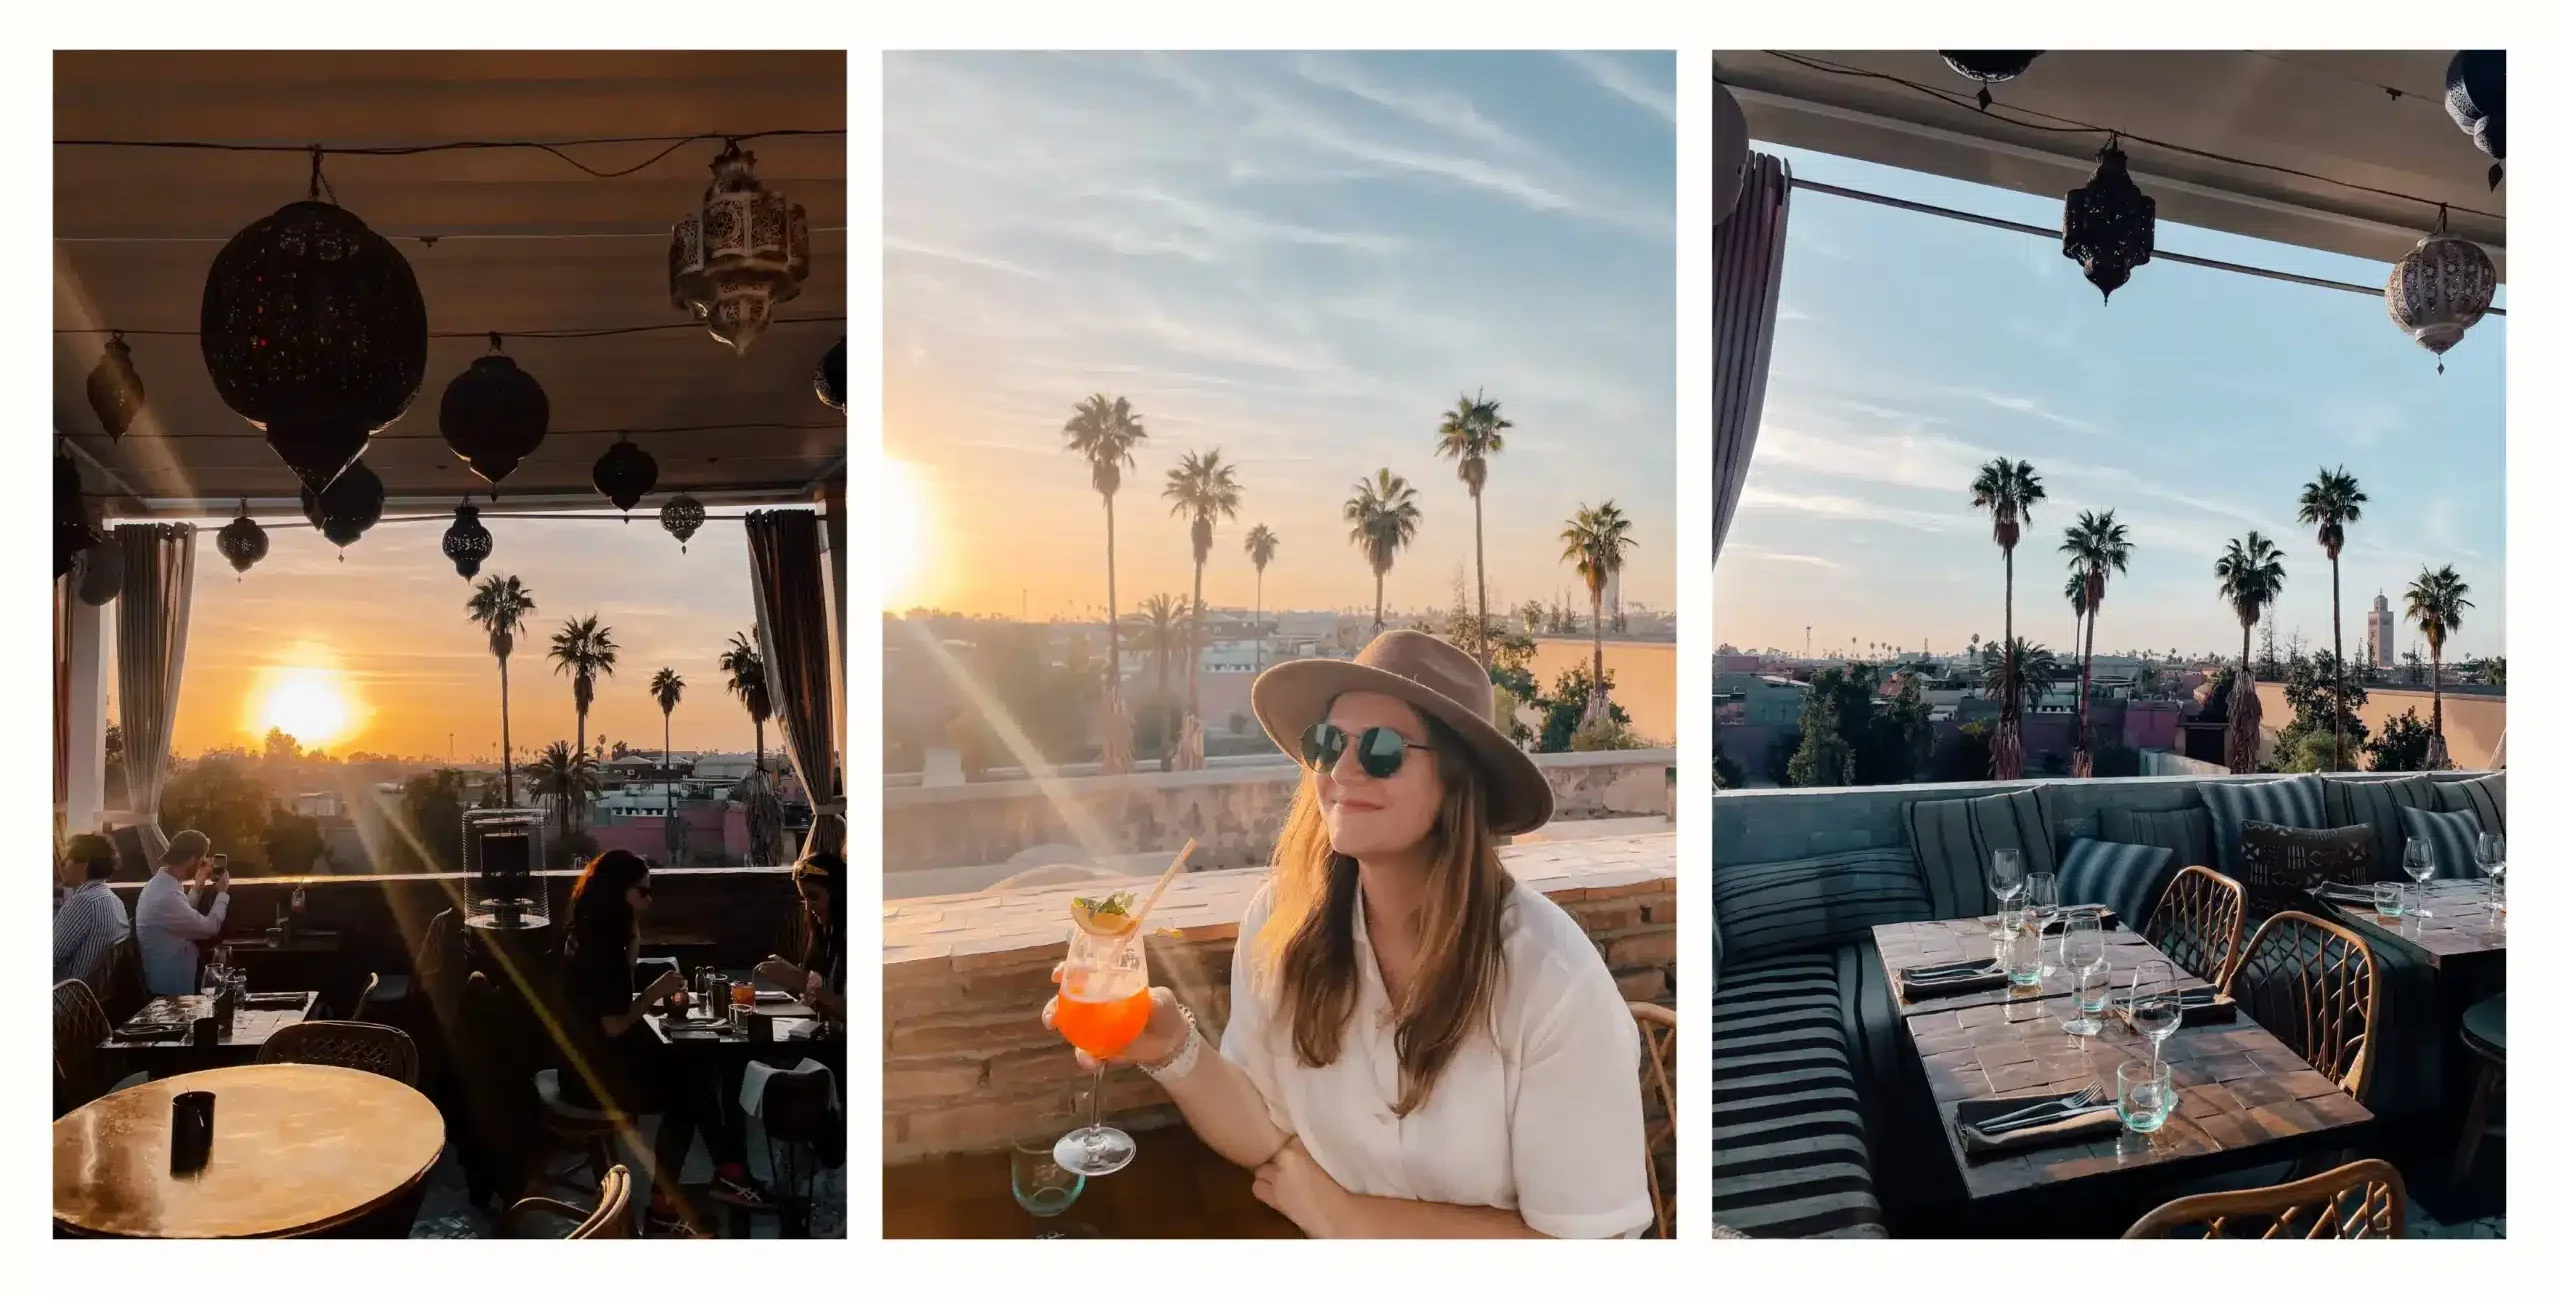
(1307, 942)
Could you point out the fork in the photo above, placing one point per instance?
(2036, 1116)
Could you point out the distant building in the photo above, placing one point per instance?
(1745, 699)
(2377, 634)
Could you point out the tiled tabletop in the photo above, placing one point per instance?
(2464, 925)
(1945, 941)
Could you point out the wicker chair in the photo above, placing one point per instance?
(79, 1027)
(1657, 1026)
(610, 1219)
(364, 998)
(2198, 922)
(362, 1046)
(2313, 985)
(122, 996)
(2359, 1200)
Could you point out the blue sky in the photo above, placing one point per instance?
(1301, 260)
(1912, 348)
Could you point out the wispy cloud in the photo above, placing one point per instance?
(1846, 508)
(1618, 79)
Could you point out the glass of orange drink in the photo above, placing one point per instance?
(1103, 1002)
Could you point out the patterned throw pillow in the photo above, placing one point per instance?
(1815, 903)
(2376, 804)
(2293, 802)
(2280, 864)
(2188, 833)
(2452, 836)
(2126, 877)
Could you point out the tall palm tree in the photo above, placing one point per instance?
(745, 669)
(668, 689)
(2252, 575)
(1105, 432)
(1383, 516)
(2010, 491)
(1206, 490)
(1260, 544)
(1163, 633)
(583, 649)
(2329, 502)
(2096, 546)
(498, 605)
(2075, 591)
(1468, 433)
(1596, 543)
(2436, 601)
(565, 774)
(2031, 671)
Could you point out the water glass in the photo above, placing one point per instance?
(2390, 900)
(2419, 862)
(2008, 873)
(2154, 1005)
(1043, 1187)
(2142, 1095)
(2084, 953)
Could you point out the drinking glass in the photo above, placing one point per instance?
(2084, 953)
(1043, 1187)
(2008, 874)
(2390, 900)
(1103, 1002)
(2420, 864)
(2044, 902)
(2493, 862)
(2154, 1004)
(2142, 1095)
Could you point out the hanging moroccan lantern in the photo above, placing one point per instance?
(2475, 93)
(313, 331)
(681, 516)
(348, 509)
(1729, 152)
(830, 377)
(102, 570)
(744, 253)
(115, 391)
(2106, 224)
(494, 415)
(72, 531)
(624, 474)
(1990, 67)
(2440, 289)
(242, 541)
(466, 542)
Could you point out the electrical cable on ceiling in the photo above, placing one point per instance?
(673, 143)
(550, 335)
(248, 433)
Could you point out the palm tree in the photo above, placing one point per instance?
(1260, 544)
(1469, 433)
(566, 775)
(2010, 491)
(1205, 489)
(668, 689)
(746, 680)
(498, 605)
(1106, 433)
(2075, 591)
(2436, 601)
(2329, 502)
(2252, 575)
(1596, 543)
(2096, 546)
(1383, 516)
(1163, 634)
(583, 649)
(2493, 672)
(2031, 671)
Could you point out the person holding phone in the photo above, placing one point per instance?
(167, 926)
(818, 979)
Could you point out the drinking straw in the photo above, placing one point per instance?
(1139, 923)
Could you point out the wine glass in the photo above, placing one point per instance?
(2044, 901)
(1103, 1002)
(2008, 874)
(2420, 864)
(2155, 1004)
(2493, 862)
(2084, 953)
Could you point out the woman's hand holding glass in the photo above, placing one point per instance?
(1154, 1044)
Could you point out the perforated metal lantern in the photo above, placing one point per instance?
(494, 415)
(682, 516)
(348, 509)
(2107, 224)
(2439, 290)
(2475, 93)
(242, 541)
(115, 390)
(744, 252)
(313, 331)
(624, 474)
(829, 379)
(467, 542)
(72, 531)
(1990, 67)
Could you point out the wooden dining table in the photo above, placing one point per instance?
(297, 1150)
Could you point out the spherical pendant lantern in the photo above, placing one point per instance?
(466, 542)
(313, 331)
(1729, 152)
(2475, 93)
(2440, 289)
(102, 570)
(242, 541)
(348, 509)
(682, 517)
(743, 253)
(624, 474)
(494, 415)
(72, 532)
(1990, 67)
(2107, 223)
(830, 377)
(115, 391)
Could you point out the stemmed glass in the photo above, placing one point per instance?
(2084, 952)
(2420, 864)
(2493, 862)
(2155, 1004)
(1103, 1003)
(2008, 875)
(2044, 901)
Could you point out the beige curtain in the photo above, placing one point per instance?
(151, 660)
(788, 567)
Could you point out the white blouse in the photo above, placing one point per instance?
(1542, 1113)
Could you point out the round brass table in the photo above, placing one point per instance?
(296, 1149)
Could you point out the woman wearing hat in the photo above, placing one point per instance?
(1418, 1046)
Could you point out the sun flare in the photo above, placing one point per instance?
(906, 513)
(308, 698)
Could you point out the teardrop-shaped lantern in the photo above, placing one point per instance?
(348, 509)
(624, 474)
(101, 569)
(242, 541)
(743, 252)
(2439, 289)
(313, 331)
(682, 516)
(2475, 93)
(115, 390)
(494, 414)
(72, 531)
(2107, 224)
(467, 542)
(830, 376)
(1990, 67)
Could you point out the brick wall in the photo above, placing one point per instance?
(967, 1065)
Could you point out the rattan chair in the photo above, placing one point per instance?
(364, 998)
(362, 1046)
(2312, 983)
(2359, 1200)
(2199, 921)
(1657, 1026)
(79, 1027)
(123, 995)
(611, 1217)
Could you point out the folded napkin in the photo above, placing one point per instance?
(2088, 1123)
(1937, 980)
(2350, 893)
(271, 999)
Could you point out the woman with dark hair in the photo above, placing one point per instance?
(818, 979)
(611, 1050)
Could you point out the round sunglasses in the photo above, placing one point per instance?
(1381, 750)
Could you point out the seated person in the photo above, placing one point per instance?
(90, 919)
(166, 925)
(818, 979)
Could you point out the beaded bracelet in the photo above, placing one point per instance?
(1185, 1058)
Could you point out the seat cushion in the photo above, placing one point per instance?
(2484, 1027)
(1814, 903)
(2452, 838)
(2376, 804)
(2293, 803)
(1790, 1144)
(2187, 833)
(2126, 877)
(1954, 837)
(2485, 797)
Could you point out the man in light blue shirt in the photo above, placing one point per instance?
(91, 919)
(165, 922)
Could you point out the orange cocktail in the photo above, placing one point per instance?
(1101, 1010)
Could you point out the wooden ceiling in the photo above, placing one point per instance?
(508, 240)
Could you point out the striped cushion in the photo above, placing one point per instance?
(2485, 797)
(1954, 838)
(2126, 877)
(2376, 804)
(2452, 836)
(1790, 1144)
(1783, 907)
(2294, 803)
(2187, 833)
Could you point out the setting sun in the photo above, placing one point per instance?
(307, 699)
